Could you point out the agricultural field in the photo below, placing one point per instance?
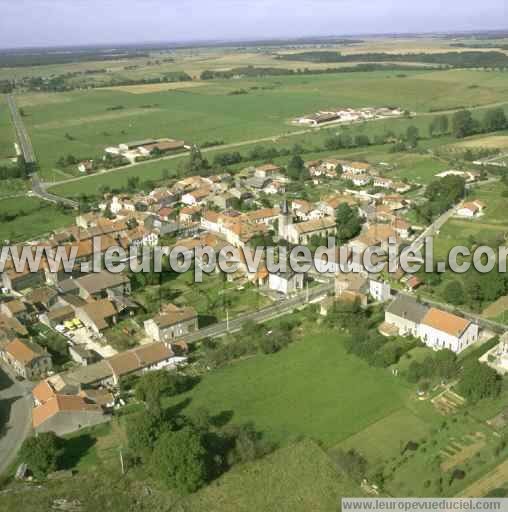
(490, 142)
(7, 137)
(83, 123)
(25, 218)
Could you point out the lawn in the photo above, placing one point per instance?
(378, 442)
(211, 298)
(313, 389)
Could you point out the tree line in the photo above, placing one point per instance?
(465, 59)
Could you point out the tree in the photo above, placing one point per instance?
(462, 124)
(41, 453)
(179, 460)
(479, 381)
(153, 385)
(442, 123)
(445, 364)
(414, 372)
(196, 163)
(352, 463)
(412, 136)
(494, 120)
(296, 168)
(348, 222)
(454, 293)
(133, 184)
(362, 140)
(248, 445)
(143, 430)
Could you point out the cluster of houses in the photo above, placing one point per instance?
(137, 151)
(196, 211)
(348, 115)
(359, 174)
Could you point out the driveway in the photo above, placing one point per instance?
(83, 337)
(15, 417)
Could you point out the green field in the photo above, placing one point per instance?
(7, 136)
(299, 477)
(34, 218)
(210, 112)
(312, 389)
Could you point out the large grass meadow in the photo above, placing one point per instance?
(33, 218)
(312, 389)
(83, 123)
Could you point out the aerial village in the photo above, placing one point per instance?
(80, 384)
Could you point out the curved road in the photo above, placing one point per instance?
(16, 403)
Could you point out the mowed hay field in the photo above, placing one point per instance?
(492, 142)
(313, 389)
(84, 124)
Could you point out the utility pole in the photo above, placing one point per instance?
(121, 461)
(227, 319)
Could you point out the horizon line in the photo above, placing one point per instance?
(196, 42)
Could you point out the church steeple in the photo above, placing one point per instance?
(285, 220)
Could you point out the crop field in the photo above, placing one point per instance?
(84, 123)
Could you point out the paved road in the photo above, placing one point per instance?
(39, 190)
(262, 315)
(16, 402)
(25, 144)
(433, 229)
(23, 138)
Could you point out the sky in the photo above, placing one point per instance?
(26, 23)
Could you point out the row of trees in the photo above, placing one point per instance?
(463, 123)
(476, 289)
(465, 59)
